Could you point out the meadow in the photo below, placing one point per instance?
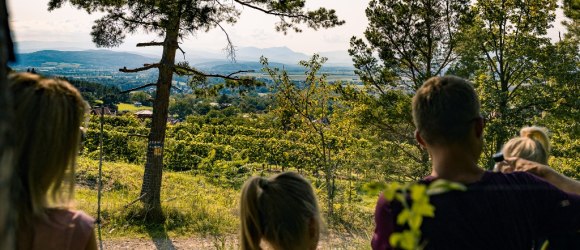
(196, 208)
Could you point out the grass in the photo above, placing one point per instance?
(131, 108)
(194, 207)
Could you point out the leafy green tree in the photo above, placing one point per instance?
(414, 40)
(561, 67)
(503, 49)
(310, 104)
(140, 96)
(254, 103)
(407, 42)
(92, 92)
(183, 105)
(223, 98)
(572, 11)
(174, 20)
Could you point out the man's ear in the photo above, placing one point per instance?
(313, 228)
(419, 138)
(313, 233)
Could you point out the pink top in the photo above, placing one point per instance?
(64, 229)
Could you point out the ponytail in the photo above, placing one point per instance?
(538, 134)
(532, 144)
(280, 211)
(251, 226)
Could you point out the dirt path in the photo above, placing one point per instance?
(163, 244)
(225, 243)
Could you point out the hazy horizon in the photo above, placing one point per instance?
(31, 21)
(69, 27)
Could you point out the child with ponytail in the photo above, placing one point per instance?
(280, 211)
(530, 153)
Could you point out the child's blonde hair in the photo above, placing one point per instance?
(533, 144)
(279, 210)
(47, 118)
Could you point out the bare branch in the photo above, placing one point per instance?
(138, 88)
(150, 44)
(182, 52)
(134, 201)
(199, 73)
(145, 67)
(230, 49)
(241, 71)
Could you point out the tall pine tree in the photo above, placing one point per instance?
(175, 20)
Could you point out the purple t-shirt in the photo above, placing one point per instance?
(500, 211)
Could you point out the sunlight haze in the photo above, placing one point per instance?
(70, 27)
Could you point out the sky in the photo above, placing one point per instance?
(31, 21)
(70, 27)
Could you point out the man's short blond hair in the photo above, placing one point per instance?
(444, 109)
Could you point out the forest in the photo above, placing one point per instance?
(182, 179)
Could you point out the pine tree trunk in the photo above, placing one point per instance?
(7, 213)
(151, 188)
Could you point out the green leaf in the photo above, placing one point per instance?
(418, 192)
(423, 209)
(409, 240)
(395, 239)
(415, 221)
(403, 217)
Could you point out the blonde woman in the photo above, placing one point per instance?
(280, 212)
(529, 153)
(48, 117)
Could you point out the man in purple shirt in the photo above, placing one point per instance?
(497, 211)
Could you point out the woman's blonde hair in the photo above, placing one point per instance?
(533, 144)
(279, 210)
(47, 118)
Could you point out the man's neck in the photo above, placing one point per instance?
(455, 164)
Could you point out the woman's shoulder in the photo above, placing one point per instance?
(70, 216)
(63, 229)
(70, 221)
(80, 217)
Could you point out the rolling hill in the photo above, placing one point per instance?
(86, 58)
(113, 60)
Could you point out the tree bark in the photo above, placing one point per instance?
(7, 212)
(151, 188)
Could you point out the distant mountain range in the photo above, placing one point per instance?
(284, 55)
(246, 59)
(287, 56)
(88, 58)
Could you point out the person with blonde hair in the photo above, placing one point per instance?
(280, 212)
(530, 153)
(48, 114)
(533, 144)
